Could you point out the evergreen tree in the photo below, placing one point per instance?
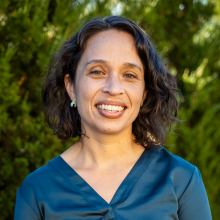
(30, 31)
(186, 35)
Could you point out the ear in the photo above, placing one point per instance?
(69, 86)
(144, 96)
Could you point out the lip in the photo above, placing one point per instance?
(109, 102)
(111, 115)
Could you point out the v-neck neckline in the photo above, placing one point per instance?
(91, 195)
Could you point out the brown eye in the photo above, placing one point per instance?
(96, 72)
(130, 76)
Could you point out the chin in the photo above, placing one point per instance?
(113, 129)
(107, 127)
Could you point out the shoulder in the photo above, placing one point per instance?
(38, 175)
(179, 172)
(175, 163)
(34, 189)
(37, 182)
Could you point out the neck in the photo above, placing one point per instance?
(105, 150)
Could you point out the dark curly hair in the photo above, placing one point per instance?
(159, 108)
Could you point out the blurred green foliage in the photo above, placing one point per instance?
(186, 34)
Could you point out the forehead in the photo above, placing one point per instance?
(110, 36)
(113, 46)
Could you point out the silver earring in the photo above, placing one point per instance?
(73, 103)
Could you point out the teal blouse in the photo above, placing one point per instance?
(160, 186)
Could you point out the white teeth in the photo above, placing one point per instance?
(111, 108)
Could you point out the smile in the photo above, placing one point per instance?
(110, 108)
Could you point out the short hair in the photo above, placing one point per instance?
(159, 108)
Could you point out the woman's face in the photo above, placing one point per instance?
(109, 87)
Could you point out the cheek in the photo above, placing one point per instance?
(136, 94)
(86, 91)
(83, 93)
(137, 100)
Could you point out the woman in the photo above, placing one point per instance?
(108, 86)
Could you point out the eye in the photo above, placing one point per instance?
(96, 72)
(130, 76)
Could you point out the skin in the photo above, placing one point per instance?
(109, 70)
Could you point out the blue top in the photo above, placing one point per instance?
(160, 186)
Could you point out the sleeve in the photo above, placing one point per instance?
(194, 204)
(23, 210)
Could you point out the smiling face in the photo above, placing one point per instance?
(109, 86)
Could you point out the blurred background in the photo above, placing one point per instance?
(186, 35)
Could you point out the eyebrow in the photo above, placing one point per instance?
(132, 65)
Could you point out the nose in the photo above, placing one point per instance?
(113, 85)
